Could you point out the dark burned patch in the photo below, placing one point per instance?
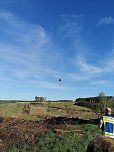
(61, 120)
(72, 120)
(1, 119)
(64, 124)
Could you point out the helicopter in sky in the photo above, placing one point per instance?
(60, 80)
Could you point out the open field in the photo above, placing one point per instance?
(44, 123)
(45, 109)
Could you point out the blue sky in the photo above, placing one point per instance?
(42, 41)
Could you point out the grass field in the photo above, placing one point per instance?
(45, 109)
(47, 127)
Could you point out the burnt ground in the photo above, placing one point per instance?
(18, 132)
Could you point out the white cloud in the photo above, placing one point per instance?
(23, 32)
(89, 72)
(29, 50)
(100, 82)
(88, 68)
(79, 76)
(107, 66)
(106, 20)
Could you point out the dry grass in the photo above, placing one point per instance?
(46, 109)
(38, 110)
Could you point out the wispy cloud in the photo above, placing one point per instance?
(101, 82)
(71, 26)
(79, 76)
(89, 71)
(28, 51)
(88, 68)
(85, 67)
(23, 32)
(106, 20)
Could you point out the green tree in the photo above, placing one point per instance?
(102, 101)
(36, 98)
(40, 99)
